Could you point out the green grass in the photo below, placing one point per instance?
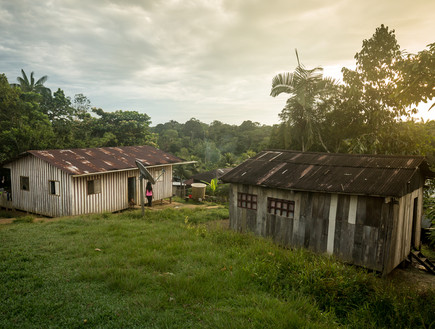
(169, 270)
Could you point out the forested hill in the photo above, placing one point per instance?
(213, 145)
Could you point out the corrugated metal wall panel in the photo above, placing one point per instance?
(114, 190)
(38, 199)
(73, 198)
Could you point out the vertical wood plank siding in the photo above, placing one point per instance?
(114, 190)
(73, 198)
(38, 199)
(401, 228)
(373, 232)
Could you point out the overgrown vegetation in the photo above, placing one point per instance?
(172, 269)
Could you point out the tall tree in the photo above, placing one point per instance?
(416, 83)
(30, 85)
(302, 113)
(23, 126)
(121, 128)
(371, 91)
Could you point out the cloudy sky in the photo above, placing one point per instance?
(207, 59)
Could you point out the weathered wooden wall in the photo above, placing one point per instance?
(163, 187)
(73, 198)
(5, 202)
(366, 231)
(114, 190)
(38, 199)
(400, 230)
(113, 195)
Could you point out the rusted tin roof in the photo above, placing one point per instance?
(103, 159)
(209, 175)
(381, 175)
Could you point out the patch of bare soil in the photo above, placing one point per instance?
(414, 276)
(6, 220)
(158, 205)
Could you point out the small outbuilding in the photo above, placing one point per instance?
(207, 176)
(82, 181)
(364, 209)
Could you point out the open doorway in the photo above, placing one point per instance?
(5, 187)
(132, 191)
(414, 224)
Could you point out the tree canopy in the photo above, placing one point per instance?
(369, 113)
(32, 118)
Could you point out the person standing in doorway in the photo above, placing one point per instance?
(149, 194)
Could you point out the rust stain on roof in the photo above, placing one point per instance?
(306, 170)
(97, 160)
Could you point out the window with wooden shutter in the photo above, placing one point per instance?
(94, 186)
(54, 187)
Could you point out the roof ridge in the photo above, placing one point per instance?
(334, 165)
(346, 154)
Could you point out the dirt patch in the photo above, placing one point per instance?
(414, 276)
(6, 220)
(158, 205)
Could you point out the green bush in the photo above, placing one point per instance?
(6, 214)
(24, 219)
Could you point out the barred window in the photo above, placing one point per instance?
(281, 207)
(248, 201)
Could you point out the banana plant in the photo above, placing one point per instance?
(212, 185)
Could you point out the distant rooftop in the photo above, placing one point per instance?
(209, 175)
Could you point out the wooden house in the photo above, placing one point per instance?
(81, 181)
(364, 209)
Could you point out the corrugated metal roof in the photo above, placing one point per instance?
(209, 175)
(381, 175)
(103, 159)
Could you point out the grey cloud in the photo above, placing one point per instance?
(193, 56)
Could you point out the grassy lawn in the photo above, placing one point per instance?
(172, 269)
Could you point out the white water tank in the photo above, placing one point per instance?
(198, 191)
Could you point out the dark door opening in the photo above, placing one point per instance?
(132, 190)
(414, 224)
(5, 187)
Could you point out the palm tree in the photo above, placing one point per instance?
(301, 112)
(27, 85)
